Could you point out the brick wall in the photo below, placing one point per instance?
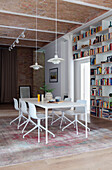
(26, 75)
(38, 76)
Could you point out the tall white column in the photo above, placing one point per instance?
(70, 69)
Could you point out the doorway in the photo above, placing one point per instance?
(85, 83)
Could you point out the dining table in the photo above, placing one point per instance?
(63, 104)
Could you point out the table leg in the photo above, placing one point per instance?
(86, 120)
(46, 114)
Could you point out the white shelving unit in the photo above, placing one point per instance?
(84, 45)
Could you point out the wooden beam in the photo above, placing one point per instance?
(30, 29)
(40, 17)
(88, 4)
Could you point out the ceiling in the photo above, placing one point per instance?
(17, 15)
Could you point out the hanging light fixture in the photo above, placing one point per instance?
(56, 59)
(36, 66)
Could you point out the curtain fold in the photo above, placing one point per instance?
(7, 75)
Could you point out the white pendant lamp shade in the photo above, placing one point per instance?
(55, 60)
(36, 66)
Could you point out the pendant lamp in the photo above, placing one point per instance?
(56, 59)
(36, 66)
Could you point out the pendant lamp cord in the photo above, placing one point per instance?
(56, 29)
(36, 33)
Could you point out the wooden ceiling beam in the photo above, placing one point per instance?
(25, 39)
(40, 17)
(88, 4)
(30, 29)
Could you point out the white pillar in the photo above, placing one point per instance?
(70, 69)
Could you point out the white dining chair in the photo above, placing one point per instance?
(37, 116)
(78, 111)
(16, 106)
(61, 117)
(25, 112)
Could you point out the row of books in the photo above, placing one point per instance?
(93, 61)
(99, 70)
(93, 51)
(92, 82)
(99, 112)
(93, 111)
(100, 103)
(107, 113)
(102, 38)
(102, 113)
(104, 48)
(93, 102)
(76, 55)
(93, 71)
(75, 47)
(96, 92)
(104, 81)
(87, 33)
(107, 70)
(96, 50)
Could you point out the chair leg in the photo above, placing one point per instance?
(22, 123)
(76, 124)
(19, 121)
(52, 117)
(62, 119)
(82, 124)
(14, 120)
(25, 125)
(55, 120)
(38, 130)
(47, 131)
(30, 131)
(68, 125)
(59, 117)
(67, 119)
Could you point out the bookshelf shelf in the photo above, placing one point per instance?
(101, 85)
(104, 52)
(101, 63)
(101, 96)
(103, 74)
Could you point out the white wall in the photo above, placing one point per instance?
(61, 87)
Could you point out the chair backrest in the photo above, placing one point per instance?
(32, 110)
(67, 99)
(81, 109)
(16, 104)
(23, 107)
(25, 92)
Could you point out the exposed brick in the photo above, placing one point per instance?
(26, 75)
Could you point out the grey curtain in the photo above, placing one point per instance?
(7, 75)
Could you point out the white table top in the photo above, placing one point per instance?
(64, 104)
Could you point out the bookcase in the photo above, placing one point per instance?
(95, 41)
